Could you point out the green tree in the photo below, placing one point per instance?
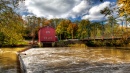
(11, 23)
(96, 29)
(59, 31)
(112, 29)
(62, 28)
(1, 39)
(84, 29)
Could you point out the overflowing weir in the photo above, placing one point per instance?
(75, 60)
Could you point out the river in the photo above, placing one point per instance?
(9, 62)
(70, 60)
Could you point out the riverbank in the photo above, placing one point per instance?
(74, 43)
(9, 62)
(92, 43)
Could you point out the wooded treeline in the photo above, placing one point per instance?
(79, 29)
(14, 30)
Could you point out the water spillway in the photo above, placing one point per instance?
(76, 60)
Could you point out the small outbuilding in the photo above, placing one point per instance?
(47, 34)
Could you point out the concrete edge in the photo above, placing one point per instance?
(22, 65)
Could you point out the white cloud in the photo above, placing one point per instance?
(21, 8)
(94, 12)
(51, 8)
(81, 9)
(63, 9)
(56, 8)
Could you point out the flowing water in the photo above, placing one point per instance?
(77, 60)
(68, 60)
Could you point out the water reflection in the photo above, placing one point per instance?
(111, 55)
(9, 60)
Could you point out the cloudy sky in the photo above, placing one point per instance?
(70, 9)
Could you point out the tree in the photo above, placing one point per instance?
(11, 23)
(1, 38)
(112, 29)
(106, 11)
(32, 26)
(61, 29)
(72, 29)
(55, 22)
(96, 29)
(84, 29)
(124, 7)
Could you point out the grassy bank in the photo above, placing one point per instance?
(78, 45)
(70, 43)
(18, 44)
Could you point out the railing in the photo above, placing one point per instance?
(101, 38)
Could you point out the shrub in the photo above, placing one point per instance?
(1, 38)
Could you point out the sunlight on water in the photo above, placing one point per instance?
(8, 59)
(110, 55)
(84, 60)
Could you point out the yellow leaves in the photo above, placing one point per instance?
(58, 29)
(46, 23)
(125, 8)
(62, 27)
(72, 28)
(66, 28)
(12, 28)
